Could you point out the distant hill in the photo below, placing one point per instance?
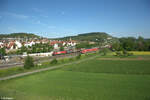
(92, 36)
(18, 35)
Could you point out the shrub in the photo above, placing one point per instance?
(78, 57)
(130, 54)
(54, 61)
(118, 53)
(104, 51)
(62, 60)
(29, 63)
(71, 59)
(125, 53)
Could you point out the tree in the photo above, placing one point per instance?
(44, 49)
(127, 43)
(116, 46)
(140, 43)
(78, 57)
(104, 51)
(33, 49)
(23, 49)
(54, 61)
(2, 51)
(29, 63)
(50, 48)
(61, 48)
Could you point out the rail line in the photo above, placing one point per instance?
(10, 65)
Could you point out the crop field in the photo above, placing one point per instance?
(135, 53)
(140, 52)
(101, 78)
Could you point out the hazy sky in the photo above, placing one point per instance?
(58, 18)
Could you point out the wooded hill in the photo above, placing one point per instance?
(92, 36)
(19, 35)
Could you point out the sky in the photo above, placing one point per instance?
(59, 18)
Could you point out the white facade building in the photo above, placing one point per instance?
(29, 44)
(18, 44)
(56, 46)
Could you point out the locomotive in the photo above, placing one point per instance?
(59, 52)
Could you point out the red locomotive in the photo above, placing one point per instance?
(59, 52)
(89, 50)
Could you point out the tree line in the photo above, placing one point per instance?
(132, 44)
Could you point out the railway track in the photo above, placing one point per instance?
(10, 65)
(44, 69)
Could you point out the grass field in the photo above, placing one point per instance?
(95, 79)
(16, 70)
(112, 66)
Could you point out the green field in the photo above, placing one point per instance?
(114, 67)
(90, 80)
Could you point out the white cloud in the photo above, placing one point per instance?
(21, 16)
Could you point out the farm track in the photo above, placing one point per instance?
(44, 69)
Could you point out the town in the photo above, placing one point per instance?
(15, 49)
(12, 46)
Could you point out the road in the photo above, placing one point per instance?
(44, 69)
(10, 65)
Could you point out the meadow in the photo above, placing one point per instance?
(96, 79)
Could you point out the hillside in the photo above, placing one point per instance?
(18, 35)
(93, 36)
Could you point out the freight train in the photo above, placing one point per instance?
(81, 51)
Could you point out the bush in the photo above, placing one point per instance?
(130, 54)
(62, 60)
(71, 59)
(54, 61)
(118, 53)
(29, 63)
(78, 57)
(104, 51)
(125, 53)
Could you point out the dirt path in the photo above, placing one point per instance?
(44, 69)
